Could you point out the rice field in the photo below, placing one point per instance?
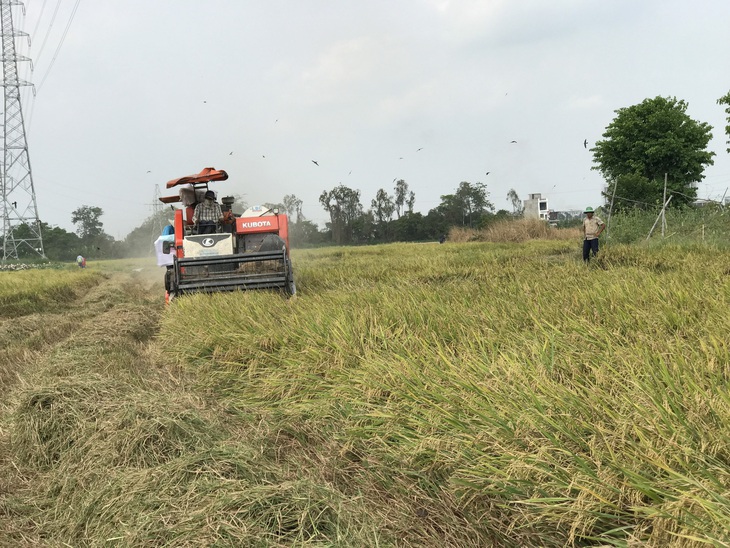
(488, 393)
(471, 394)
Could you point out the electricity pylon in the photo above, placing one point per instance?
(21, 230)
(157, 209)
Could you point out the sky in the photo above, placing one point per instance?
(129, 95)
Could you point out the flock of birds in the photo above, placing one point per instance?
(316, 163)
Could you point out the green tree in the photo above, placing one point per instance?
(410, 202)
(303, 233)
(466, 206)
(514, 199)
(59, 244)
(382, 209)
(651, 139)
(417, 227)
(725, 100)
(344, 207)
(87, 221)
(401, 193)
(382, 206)
(293, 206)
(275, 205)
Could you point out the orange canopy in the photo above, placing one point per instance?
(208, 174)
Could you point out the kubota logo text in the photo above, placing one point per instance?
(256, 224)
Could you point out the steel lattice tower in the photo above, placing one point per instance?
(21, 231)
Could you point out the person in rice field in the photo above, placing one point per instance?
(592, 228)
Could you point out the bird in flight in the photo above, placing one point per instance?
(350, 173)
(400, 158)
(149, 171)
(513, 141)
(420, 149)
(230, 154)
(487, 173)
(585, 143)
(315, 162)
(205, 101)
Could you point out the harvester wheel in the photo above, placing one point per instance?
(168, 279)
(291, 287)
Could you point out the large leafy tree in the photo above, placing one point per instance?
(646, 141)
(293, 205)
(725, 100)
(466, 206)
(382, 209)
(344, 207)
(87, 221)
(401, 196)
(382, 206)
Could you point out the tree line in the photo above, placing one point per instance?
(644, 146)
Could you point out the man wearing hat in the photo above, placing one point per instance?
(592, 228)
(207, 214)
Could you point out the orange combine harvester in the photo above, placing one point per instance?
(247, 251)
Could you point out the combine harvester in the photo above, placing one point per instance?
(247, 251)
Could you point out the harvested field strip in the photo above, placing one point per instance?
(42, 291)
(101, 444)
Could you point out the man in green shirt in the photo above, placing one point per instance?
(592, 228)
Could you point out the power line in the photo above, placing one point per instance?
(63, 38)
(48, 32)
(40, 17)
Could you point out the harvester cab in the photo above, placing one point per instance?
(246, 251)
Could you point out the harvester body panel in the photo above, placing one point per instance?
(208, 245)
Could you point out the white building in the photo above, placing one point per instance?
(536, 207)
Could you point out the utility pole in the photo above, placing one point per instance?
(21, 226)
(661, 213)
(664, 201)
(610, 209)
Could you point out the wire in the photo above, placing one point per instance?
(48, 32)
(63, 38)
(40, 17)
(634, 201)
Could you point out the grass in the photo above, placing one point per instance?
(29, 291)
(511, 388)
(476, 394)
(514, 231)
